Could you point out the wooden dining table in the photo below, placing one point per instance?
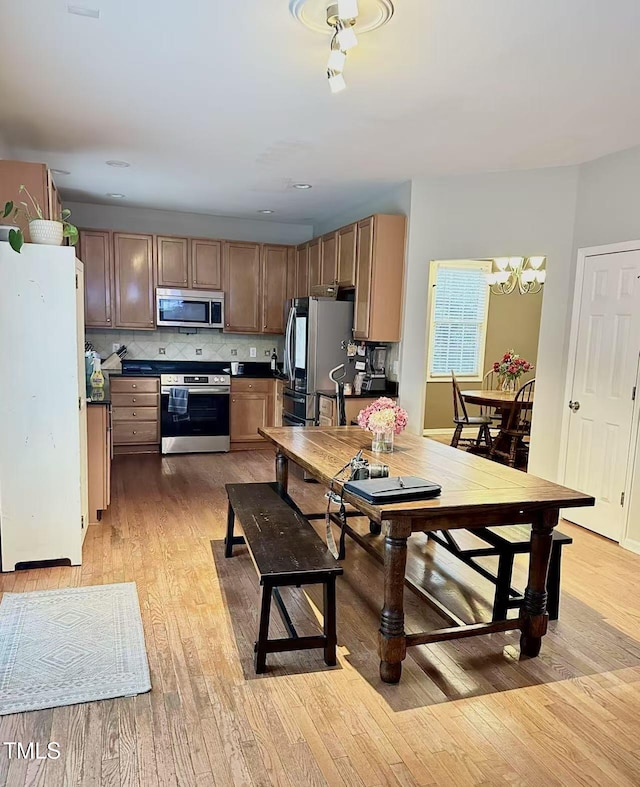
(475, 493)
(502, 401)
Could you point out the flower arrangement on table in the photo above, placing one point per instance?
(385, 419)
(510, 369)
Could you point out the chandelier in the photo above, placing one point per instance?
(525, 273)
(346, 19)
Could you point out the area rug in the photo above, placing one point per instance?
(61, 647)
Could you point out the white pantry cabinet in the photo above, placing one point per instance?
(43, 416)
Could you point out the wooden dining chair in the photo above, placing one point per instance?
(489, 384)
(510, 443)
(461, 419)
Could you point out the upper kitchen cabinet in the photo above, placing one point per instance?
(347, 238)
(274, 287)
(39, 183)
(206, 264)
(329, 258)
(172, 259)
(242, 287)
(379, 278)
(302, 271)
(94, 250)
(292, 278)
(315, 264)
(134, 280)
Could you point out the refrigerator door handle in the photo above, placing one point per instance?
(288, 349)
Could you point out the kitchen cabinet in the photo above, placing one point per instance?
(292, 282)
(94, 250)
(328, 409)
(314, 264)
(38, 180)
(134, 281)
(379, 278)
(172, 259)
(275, 268)
(99, 452)
(206, 264)
(302, 271)
(242, 276)
(346, 253)
(328, 258)
(252, 406)
(135, 403)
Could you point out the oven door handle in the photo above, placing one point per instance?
(222, 390)
(294, 397)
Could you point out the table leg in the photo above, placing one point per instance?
(534, 608)
(391, 638)
(282, 471)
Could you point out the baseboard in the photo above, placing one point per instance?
(631, 544)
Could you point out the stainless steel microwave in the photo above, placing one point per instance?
(190, 308)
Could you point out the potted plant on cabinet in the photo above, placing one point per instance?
(49, 232)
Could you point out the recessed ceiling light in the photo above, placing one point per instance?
(266, 212)
(79, 10)
(117, 163)
(60, 171)
(116, 196)
(302, 186)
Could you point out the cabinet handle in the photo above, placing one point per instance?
(134, 415)
(233, 400)
(134, 432)
(133, 385)
(108, 319)
(250, 385)
(195, 281)
(134, 399)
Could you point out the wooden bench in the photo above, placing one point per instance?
(506, 543)
(285, 550)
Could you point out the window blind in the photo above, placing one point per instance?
(458, 323)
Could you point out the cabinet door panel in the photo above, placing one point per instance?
(173, 263)
(274, 287)
(206, 264)
(134, 280)
(363, 279)
(291, 274)
(302, 271)
(329, 259)
(347, 255)
(95, 253)
(242, 287)
(314, 264)
(248, 412)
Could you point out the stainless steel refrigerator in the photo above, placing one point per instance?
(314, 337)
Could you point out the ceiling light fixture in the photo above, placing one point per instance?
(525, 273)
(116, 196)
(117, 163)
(302, 186)
(344, 18)
(266, 212)
(60, 171)
(79, 10)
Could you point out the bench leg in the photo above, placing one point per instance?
(260, 660)
(503, 586)
(553, 582)
(330, 621)
(228, 542)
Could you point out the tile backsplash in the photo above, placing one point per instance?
(213, 344)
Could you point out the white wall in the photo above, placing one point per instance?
(396, 200)
(147, 220)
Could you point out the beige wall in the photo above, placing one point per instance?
(513, 324)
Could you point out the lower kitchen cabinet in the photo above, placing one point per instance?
(252, 406)
(136, 414)
(328, 409)
(99, 454)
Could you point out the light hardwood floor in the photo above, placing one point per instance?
(466, 712)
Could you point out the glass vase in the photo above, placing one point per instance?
(382, 442)
(508, 385)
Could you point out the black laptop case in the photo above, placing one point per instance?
(393, 490)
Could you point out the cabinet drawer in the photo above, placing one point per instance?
(135, 413)
(133, 400)
(131, 433)
(251, 386)
(326, 407)
(135, 385)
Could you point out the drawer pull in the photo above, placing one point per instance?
(134, 432)
(134, 415)
(133, 385)
(134, 399)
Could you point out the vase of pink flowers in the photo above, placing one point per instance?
(385, 419)
(509, 370)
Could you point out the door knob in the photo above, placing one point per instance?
(575, 406)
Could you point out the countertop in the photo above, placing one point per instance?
(251, 369)
(391, 391)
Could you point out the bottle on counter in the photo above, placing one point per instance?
(97, 377)
(274, 361)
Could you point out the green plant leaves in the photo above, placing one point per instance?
(71, 232)
(65, 213)
(16, 240)
(8, 208)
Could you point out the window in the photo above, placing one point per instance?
(458, 318)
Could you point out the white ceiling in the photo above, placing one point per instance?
(220, 107)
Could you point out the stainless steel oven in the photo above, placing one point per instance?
(199, 421)
(190, 308)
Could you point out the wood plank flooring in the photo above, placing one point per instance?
(466, 713)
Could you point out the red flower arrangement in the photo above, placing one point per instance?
(511, 367)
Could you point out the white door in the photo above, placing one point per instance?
(604, 381)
